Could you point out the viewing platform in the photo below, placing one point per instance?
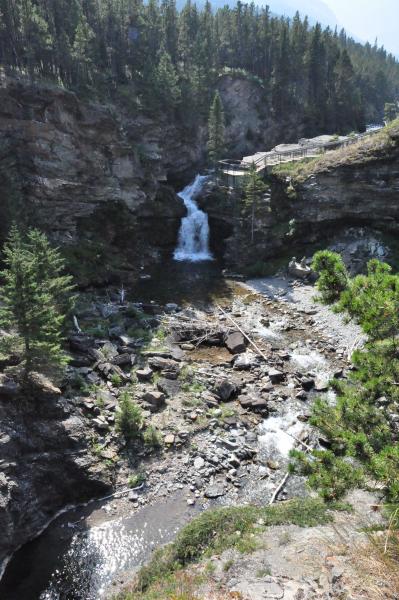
(233, 171)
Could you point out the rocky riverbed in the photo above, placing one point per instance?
(226, 407)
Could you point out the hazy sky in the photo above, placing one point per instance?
(370, 19)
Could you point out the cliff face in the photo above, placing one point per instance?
(98, 178)
(306, 204)
(45, 462)
(250, 126)
(63, 162)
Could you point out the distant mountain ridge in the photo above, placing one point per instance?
(316, 10)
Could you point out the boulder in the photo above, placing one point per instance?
(80, 342)
(155, 399)
(226, 390)
(169, 387)
(199, 463)
(144, 374)
(8, 387)
(126, 340)
(253, 403)
(209, 399)
(235, 342)
(276, 376)
(164, 364)
(124, 360)
(245, 362)
(215, 491)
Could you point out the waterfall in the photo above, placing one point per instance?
(193, 245)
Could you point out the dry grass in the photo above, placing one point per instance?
(376, 566)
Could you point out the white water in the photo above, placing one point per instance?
(193, 245)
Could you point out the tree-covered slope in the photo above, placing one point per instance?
(162, 60)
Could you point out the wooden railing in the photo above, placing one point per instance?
(240, 167)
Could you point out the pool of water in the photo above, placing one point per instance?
(83, 552)
(182, 283)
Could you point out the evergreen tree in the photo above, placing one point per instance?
(391, 111)
(129, 418)
(167, 82)
(331, 82)
(216, 130)
(35, 298)
(254, 191)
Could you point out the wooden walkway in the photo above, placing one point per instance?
(291, 152)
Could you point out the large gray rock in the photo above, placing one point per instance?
(155, 399)
(215, 491)
(235, 342)
(226, 390)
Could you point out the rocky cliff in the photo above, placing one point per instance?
(308, 202)
(45, 461)
(101, 179)
(90, 175)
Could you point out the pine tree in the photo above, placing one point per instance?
(391, 111)
(253, 194)
(216, 130)
(167, 82)
(35, 298)
(129, 418)
(81, 50)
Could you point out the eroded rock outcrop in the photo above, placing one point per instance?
(355, 186)
(88, 174)
(45, 464)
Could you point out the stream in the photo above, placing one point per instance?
(86, 551)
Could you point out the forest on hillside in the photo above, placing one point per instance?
(161, 60)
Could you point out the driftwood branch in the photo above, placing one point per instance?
(279, 488)
(286, 476)
(258, 350)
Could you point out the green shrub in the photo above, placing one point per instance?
(116, 379)
(135, 480)
(214, 531)
(152, 437)
(360, 426)
(333, 277)
(129, 418)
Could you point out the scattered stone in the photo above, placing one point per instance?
(169, 439)
(155, 399)
(273, 465)
(214, 491)
(144, 374)
(199, 463)
(235, 342)
(307, 383)
(226, 390)
(275, 375)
